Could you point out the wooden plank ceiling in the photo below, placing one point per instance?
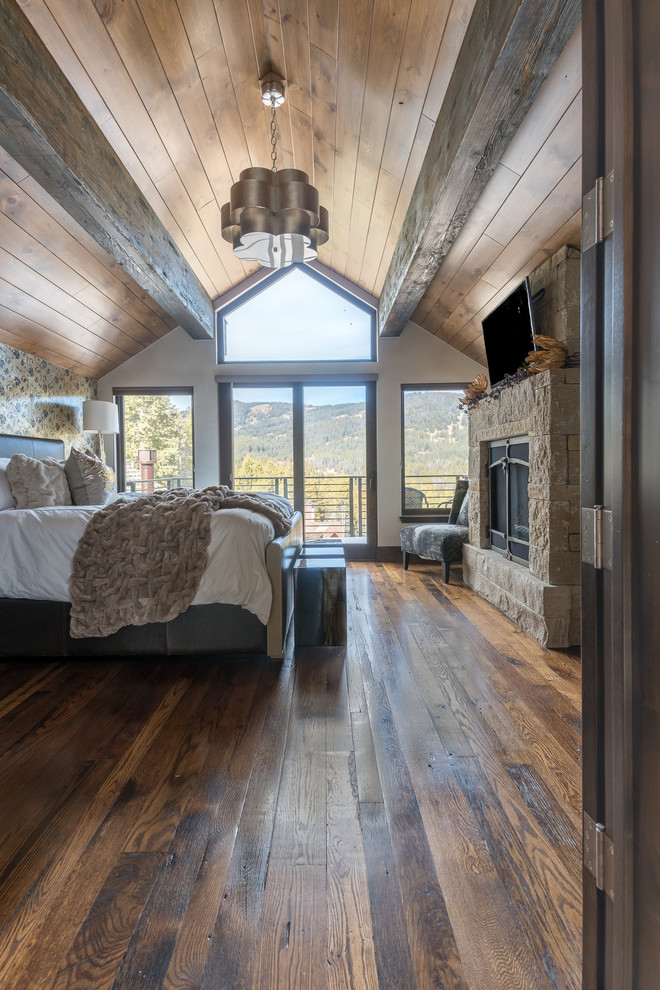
(173, 86)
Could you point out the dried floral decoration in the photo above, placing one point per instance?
(549, 353)
(478, 387)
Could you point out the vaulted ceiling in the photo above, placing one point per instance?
(172, 88)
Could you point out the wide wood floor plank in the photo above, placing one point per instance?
(190, 955)
(560, 666)
(19, 682)
(512, 700)
(536, 903)
(432, 944)
(401, 813)
(351, 957)
(52, 721)
(147, 958)
(294, 929)
(544, 719)
(477, 897)
(62, 893)
(392, 950)
(235, 943)
(30, 863)
(100, 945)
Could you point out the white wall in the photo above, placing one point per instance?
(414, 357)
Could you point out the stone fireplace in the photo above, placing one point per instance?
(543, 596)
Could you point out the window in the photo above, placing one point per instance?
(434, 447)
(297, 314)
(155, 448)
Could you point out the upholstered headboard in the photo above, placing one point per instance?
(32, 446)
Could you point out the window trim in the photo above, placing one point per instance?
(323, 277)
(118, 394)
(421, 514)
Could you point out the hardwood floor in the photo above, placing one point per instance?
(401, 814)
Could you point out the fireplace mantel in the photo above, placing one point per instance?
(544, 598)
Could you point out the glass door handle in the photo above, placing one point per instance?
(372, 481)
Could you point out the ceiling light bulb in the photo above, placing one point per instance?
(272, 93)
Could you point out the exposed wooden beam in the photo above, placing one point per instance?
(45, 126)
(508, 51)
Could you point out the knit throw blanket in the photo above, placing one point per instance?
(142, 560)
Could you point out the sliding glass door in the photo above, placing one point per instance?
(263, 440)
(335, 463)
(312, 442)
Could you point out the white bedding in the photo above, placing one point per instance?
(37, 547)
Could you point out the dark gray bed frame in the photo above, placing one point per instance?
(38, 628)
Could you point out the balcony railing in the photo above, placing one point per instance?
(430, 491)
(335, 505)
(278, 484)
(158, 484)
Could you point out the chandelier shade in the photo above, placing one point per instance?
(274, 217)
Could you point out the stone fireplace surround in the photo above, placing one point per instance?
(544, 598)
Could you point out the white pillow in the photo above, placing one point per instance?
(35, 484)
(7, 500)
(91, 481)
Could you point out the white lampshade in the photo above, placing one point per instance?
(101, 417)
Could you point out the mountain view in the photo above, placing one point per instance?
(435, 436)
(334, 438)
(436, 433)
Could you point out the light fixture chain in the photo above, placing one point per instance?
(273, 135)
(277, 223)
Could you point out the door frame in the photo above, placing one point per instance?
(620, 412)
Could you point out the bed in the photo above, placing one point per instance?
(41, 627)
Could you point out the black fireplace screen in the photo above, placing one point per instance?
(509, 501)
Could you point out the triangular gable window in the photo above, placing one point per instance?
(297, 314)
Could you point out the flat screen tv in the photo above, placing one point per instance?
(508, 333)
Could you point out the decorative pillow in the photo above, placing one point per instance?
(462, 517)
(35, 484)
(91, 481)
(7, 500)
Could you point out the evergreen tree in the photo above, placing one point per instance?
(155, 422)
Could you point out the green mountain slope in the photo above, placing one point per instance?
(436, 436)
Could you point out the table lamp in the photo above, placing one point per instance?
(100, 417)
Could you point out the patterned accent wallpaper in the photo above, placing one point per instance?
(38, 399)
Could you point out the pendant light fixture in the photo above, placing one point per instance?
(273, 217)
